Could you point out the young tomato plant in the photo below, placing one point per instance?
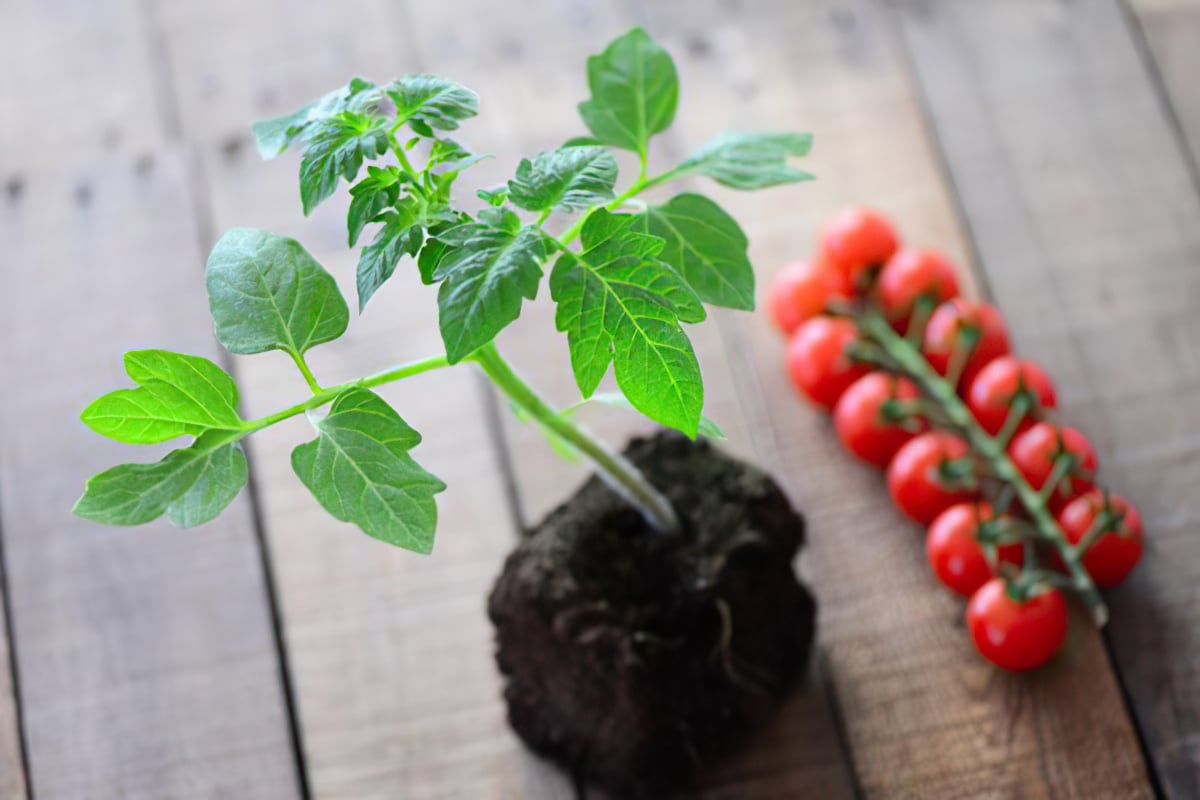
(626, 278)
(1007, 496)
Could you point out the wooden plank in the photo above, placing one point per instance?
(391, 652)
(1089, 225)
(147, 657)
(799, 752)
(1171, 29)
(12, 766)
(923, 714)
(91, 95)
(147, 660)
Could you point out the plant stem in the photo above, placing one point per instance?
(640, 185)
(309, 378)
(402, 158)
(989, 449)
(621, 475)
(322, 396)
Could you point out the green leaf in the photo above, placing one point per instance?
(133, 494)
(494, 197)
(369, 197)
(399, 236)
(177, 395)
(570, 178)
(434, 249)
(431, 101)
(489, 267)
(266, 292)
(336, 148)
(619, 303)
(273, 136)
(222, 478)
(358, 468)
(708, 428)
(707, 246)
(750, 160)
(634, 92)
(581, 141)
(451, 158)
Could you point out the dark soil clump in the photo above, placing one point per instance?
(634, 657)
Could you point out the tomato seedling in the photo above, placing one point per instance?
(626, 277)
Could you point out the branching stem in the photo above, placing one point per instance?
(990, 450)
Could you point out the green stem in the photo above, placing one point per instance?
(989, 449)
(640, 185)
(1063, 466)
(541, 220)
(405, 164)
(621, 475)
(1016, 415)
(309, 378)
(323, 396)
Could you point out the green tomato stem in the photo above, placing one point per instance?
(309, 378)
(322, 396)
(640, 185)
(914, 365)
(618, 472)
(405, 164)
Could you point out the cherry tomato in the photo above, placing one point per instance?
(855, 240)
(991, 392)
(1034, 451)
(817, 360)
(945, 327)
(914, 478)
(801, 291)
(1013, 634)
(953, 549)
(912, 273)
(1111, 557)
(859, 420)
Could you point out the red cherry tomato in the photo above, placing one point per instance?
(817, 360)
(800, 292)
(953, 549)
(1034, 451)
(1111, 557)
(855, 240)
(859, 420)
(1013, 634)
(946, 325)
(914, 478)
(990, 393)
(912, 273)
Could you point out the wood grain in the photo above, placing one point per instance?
(147, 661)
(1089, 226)
(12, 767)
(391, 652)
(800, 753)
(924, 715)
(1172, 29)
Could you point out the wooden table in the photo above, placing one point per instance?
(1050, 147)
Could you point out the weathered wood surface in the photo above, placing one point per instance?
(147, 658)
(1087, 218)
(1171, 30)
(147, 662)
